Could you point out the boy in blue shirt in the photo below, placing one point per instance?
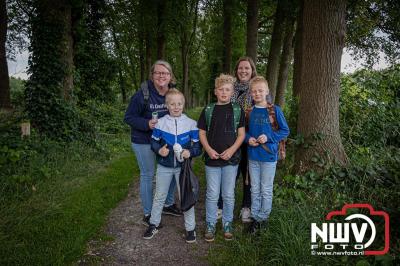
(263, 150)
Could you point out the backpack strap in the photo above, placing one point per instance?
(236, 116)
(208, 114)
(146, 95)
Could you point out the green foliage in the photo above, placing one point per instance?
(17, 87)
(369, 109)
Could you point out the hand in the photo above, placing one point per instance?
(213, 154)
(227, 154)
(164, 151)
(152, 123)
(262, 139)
(186, 154)
(253, 142)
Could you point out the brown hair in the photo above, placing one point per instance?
(251, 62)
(224, 79)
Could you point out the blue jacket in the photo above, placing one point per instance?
(137, 115)
(170, 130)
(260, 124)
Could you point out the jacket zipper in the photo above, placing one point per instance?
(176, 139)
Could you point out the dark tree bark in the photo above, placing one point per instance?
(275, 49)
(323, 34)
(141, 49)
(227, 36)
(252, 29)
(187, 35)
(68, 83)
(286, 58)
(5, 101)
(297, 66)
(161, 39)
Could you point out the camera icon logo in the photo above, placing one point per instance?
(349, 237)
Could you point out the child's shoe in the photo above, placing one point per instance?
(254, 227)
(228, 232)
(245, 214)
(151, 231)
(191, 236)
(210, 233)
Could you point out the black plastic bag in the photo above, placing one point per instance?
(189, 186)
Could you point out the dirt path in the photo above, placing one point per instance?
(168, 247)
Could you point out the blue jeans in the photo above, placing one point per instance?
(220, 179)
(164, 178)
(146, 161)
(262, 183)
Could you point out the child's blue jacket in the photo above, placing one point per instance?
(259, 124)
(170, 130)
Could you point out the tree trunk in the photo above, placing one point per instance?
(68, 83)
(227, 36)
(185, 72)
(161, 40)
(322, 40)
(286, 58)
(297, 66)
(252, 29)
(142, 36)
(5, 100)
(275, 49)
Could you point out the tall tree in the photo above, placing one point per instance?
(161, 39)
(227, 38)
(5, 101)
(275, 48)
(286, 59)
(252, 29)
(322, 38)
(186, 25)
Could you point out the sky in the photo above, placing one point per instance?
(18, 68)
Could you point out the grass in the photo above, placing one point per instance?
(53, 224)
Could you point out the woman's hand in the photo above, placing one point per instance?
(164, 151)
(152, 123)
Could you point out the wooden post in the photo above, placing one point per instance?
(25, 129)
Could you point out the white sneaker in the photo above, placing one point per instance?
(245, 213)
(219, 214)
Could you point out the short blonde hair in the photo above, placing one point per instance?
(224, 79)
(172, 92)
(258, 79)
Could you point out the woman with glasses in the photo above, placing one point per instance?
(147, 105)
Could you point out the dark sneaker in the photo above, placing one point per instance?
(150, 232)
(254, 227)
(172, 210)
(191, 236)
(209, 236)
(228, 232)
(146, 220)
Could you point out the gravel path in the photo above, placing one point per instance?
(168, 247)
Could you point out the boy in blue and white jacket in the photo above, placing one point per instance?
(262, 151)
(175, 138)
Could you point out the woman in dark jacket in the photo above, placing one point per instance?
(145, 107)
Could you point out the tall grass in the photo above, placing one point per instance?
(51, 224)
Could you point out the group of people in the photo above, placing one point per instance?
(238, 136)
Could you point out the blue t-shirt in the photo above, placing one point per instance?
(259, 124)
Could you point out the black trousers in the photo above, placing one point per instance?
(242, 170)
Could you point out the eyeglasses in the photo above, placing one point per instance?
(157, 73)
